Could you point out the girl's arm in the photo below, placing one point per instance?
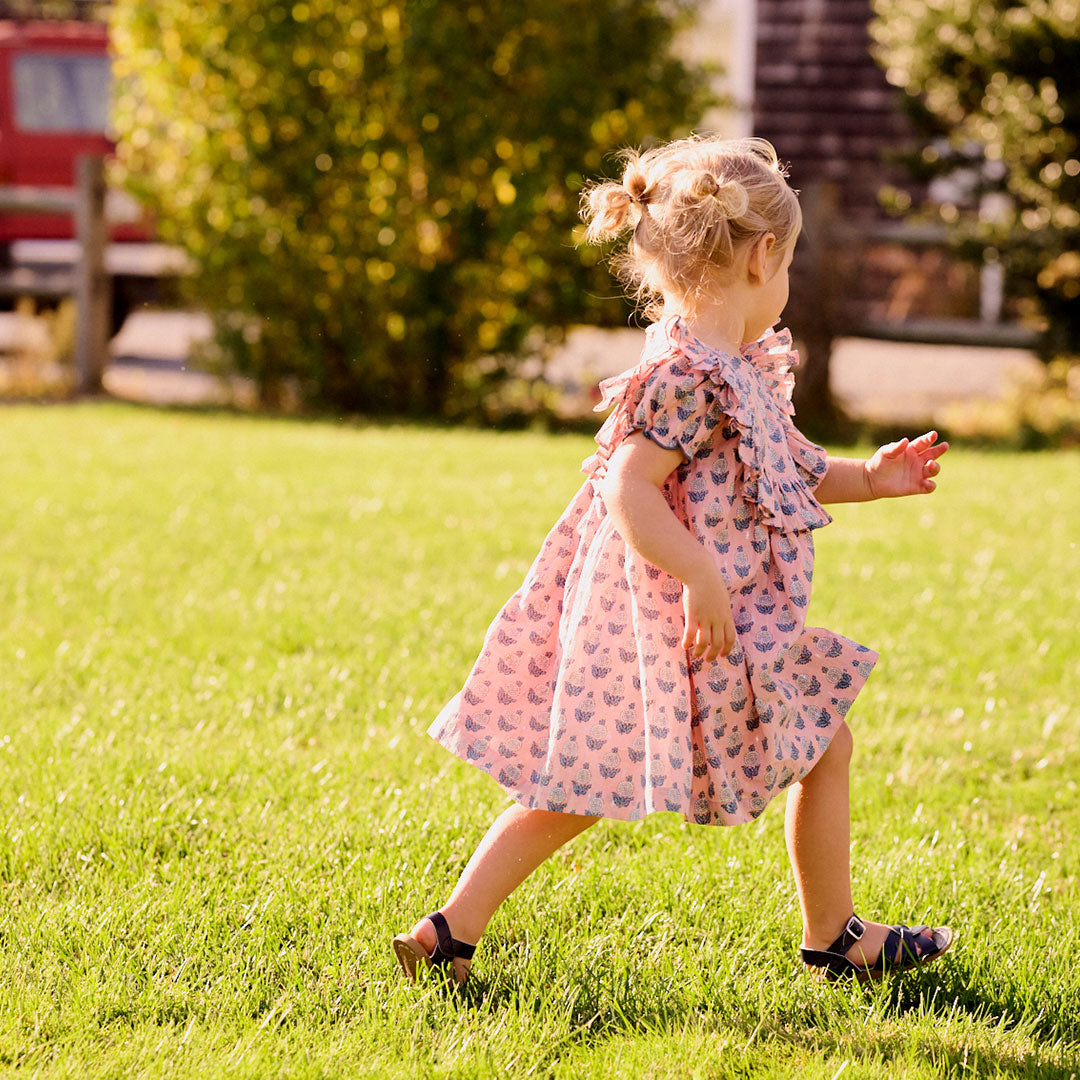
(632, 493)
(902, 468)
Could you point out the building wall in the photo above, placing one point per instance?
(822, 100)
(724, 34)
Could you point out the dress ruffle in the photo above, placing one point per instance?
(749, 395)
(775, 358)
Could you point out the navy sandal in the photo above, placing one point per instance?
(905, 947)
(411, 954)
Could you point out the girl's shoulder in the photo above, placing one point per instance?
(676, 364)
(762, 372)
(671, 349)
(675, 354)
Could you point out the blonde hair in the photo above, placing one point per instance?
(693, 204)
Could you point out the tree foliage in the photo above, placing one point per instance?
(998, 81)
(379, 192)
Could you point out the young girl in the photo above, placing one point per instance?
(655, 657)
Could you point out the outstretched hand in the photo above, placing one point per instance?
(906, 467)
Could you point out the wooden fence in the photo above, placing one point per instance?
(832, 253)
(89, 282)
(831, 240)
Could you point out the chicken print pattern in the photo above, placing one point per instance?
(582, 699)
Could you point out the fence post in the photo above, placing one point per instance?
(812, 310)
(92, 285)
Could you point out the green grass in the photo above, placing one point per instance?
(223, 640)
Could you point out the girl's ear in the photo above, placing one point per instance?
(760, 250)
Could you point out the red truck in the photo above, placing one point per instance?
(55, 82)
(55, 87)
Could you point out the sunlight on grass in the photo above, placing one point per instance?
(224, 640)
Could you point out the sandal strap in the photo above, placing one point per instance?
(852, 932)
(447, 947)
(905, 946)
(833, 958)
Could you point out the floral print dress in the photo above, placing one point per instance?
(582, 699)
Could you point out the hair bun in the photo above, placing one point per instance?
(701, 185)
(636, 185)
(704, 184)
(729, 197)
(605, 208)
(733, 198)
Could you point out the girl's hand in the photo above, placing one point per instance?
(710, 629)
(906, 467)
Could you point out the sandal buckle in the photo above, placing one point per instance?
(855, 928)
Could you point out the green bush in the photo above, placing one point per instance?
(1041, 409)
(379, 193)
(995, 84)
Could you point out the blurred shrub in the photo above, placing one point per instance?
(1041, 409)
(39, 358)
(377, 193)
(995, 84)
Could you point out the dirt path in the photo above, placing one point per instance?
(886, 382)
(880, 381)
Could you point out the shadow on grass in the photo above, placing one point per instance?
(601, 1009)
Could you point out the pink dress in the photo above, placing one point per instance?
(582, 699)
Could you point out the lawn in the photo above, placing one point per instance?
(225, 639)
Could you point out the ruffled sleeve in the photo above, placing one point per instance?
(810, 459)
(776, 359)
(676, 410)
(671, 405)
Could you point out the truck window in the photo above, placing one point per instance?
(62, 92)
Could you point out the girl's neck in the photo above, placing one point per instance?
(717, 325)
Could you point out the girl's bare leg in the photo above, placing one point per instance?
(818, 832)
(518, 841)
